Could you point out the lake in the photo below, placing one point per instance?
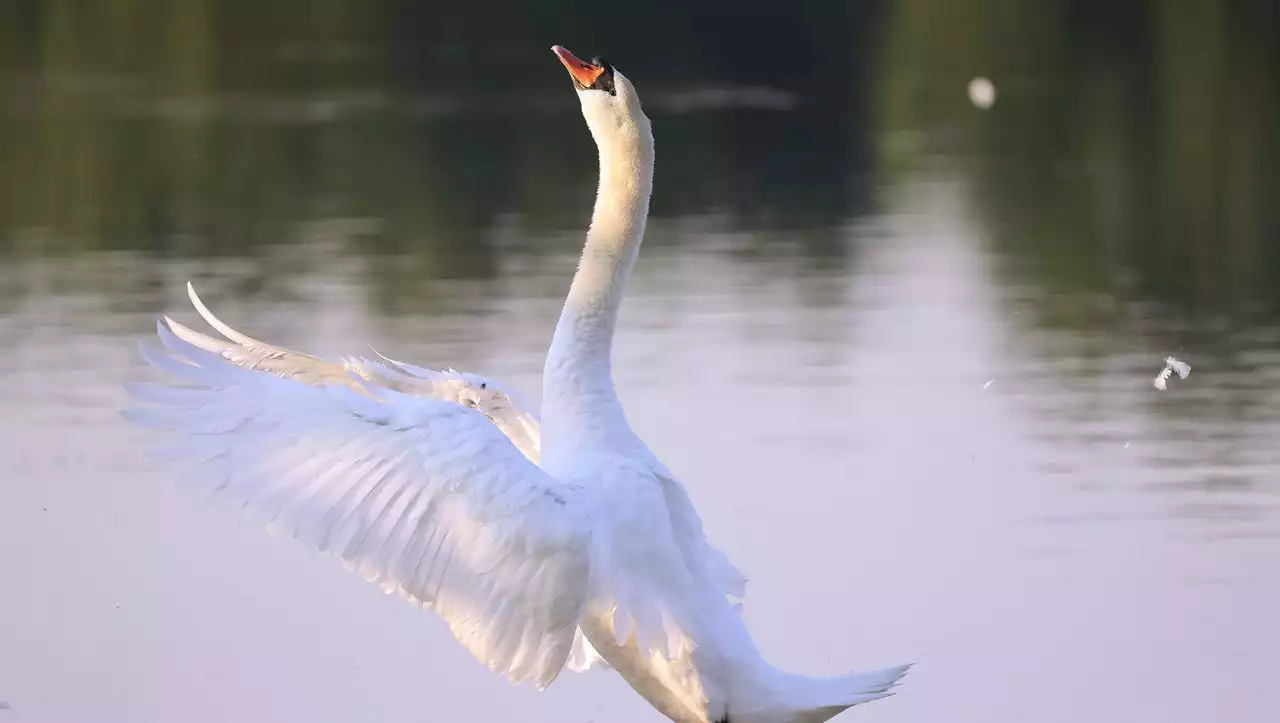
(899, 347)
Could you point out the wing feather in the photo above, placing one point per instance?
(358, 374)
(422, 496)
(705, 562)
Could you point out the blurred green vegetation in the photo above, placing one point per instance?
(215, 127)
(1133, 151)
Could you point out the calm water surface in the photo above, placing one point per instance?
(909, 390)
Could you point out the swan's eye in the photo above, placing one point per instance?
(600, 62)
(605, 80)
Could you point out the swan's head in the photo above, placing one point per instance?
(609, 101)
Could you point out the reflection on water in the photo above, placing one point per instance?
(899, 348)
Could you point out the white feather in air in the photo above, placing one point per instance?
(1171, 365)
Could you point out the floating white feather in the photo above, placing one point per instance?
(1171, 365)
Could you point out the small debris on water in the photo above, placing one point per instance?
(982, 93)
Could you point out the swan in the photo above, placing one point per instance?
(543, 543)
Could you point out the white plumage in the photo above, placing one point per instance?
(540, 543)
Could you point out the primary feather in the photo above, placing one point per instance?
(360, 374)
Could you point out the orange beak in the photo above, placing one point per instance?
(585, 75)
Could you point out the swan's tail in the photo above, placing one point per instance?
(817, 699)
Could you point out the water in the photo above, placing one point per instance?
(899, 348)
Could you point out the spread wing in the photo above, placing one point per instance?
(522, 427)
(423, 496)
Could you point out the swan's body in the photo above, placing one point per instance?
(565, 542)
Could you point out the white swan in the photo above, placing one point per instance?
(540, 545)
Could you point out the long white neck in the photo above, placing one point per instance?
(578, 374)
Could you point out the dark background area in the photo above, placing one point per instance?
(1134, 147)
